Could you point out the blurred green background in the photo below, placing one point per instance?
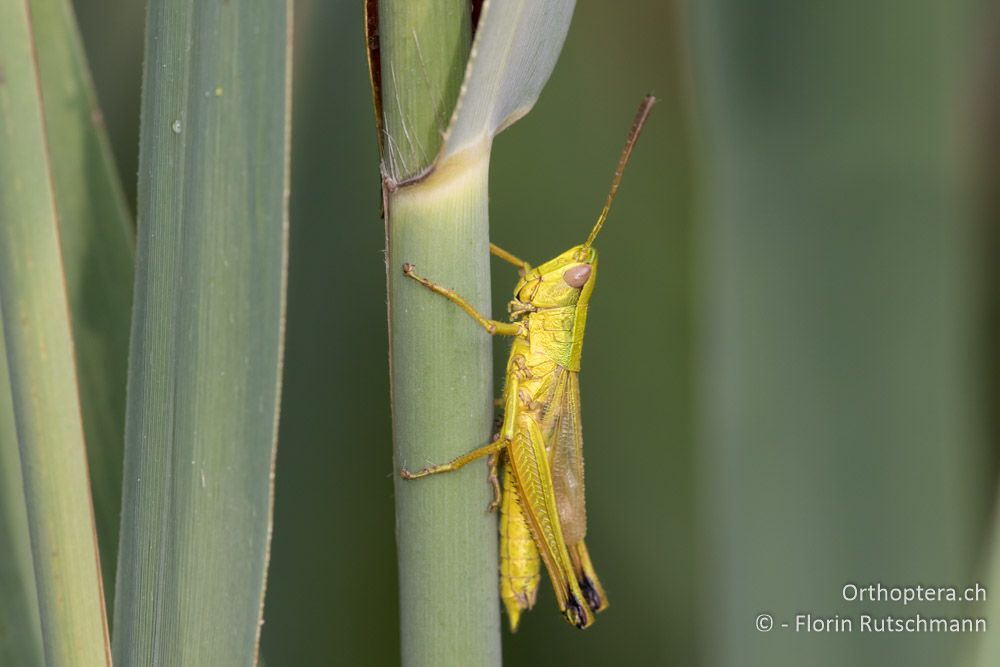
(788, 379)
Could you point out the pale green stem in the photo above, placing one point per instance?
(440, 359)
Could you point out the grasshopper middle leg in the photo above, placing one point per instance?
(486, 450)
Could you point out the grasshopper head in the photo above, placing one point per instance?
(564, 280)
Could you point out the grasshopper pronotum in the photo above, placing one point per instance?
(540, 443)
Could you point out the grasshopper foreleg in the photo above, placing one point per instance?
(492, 326)
(492, 448)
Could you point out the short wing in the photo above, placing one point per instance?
(563, 433)
(564, 437)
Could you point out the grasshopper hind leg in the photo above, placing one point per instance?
(594, 599)
(590, 585)
(575, 612)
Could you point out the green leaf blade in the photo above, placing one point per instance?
(41, 365)
(96, 235)
(516, 48)
(207, 333)
(20, 633)
(425, 46)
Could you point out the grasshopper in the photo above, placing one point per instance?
(539, 446)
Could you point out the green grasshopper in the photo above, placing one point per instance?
(540, 440)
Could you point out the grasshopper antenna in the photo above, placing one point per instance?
(633, 135)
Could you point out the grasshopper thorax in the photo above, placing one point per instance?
(565, 280)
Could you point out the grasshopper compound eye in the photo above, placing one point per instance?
(577, 276)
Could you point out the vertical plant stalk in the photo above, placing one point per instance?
(42, 371)
(442, 393)
(207, 333)
(440, 361)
